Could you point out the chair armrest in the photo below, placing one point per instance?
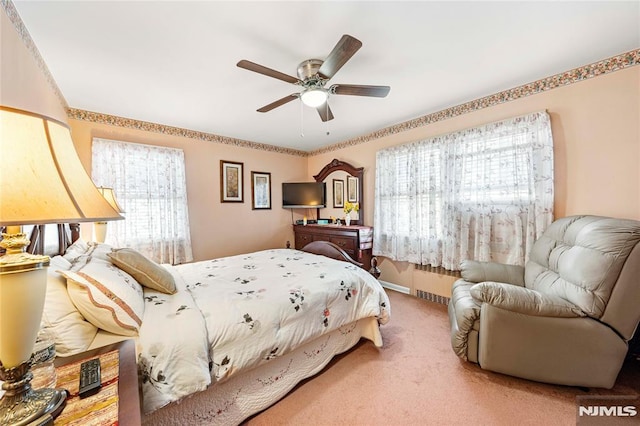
(524, 300)
(477, 272)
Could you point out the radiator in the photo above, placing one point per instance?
(432, 297)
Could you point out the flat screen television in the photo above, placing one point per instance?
(297, 195)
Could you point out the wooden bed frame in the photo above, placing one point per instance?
(328, 249)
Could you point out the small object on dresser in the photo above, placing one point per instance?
(90, 381)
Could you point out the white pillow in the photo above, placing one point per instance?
(69, 330)
(80, 253)
(107, 296)
(99, 250)
(78, 248)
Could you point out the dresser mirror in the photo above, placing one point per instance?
(343, 184)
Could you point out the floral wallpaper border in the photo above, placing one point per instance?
(615, 63)
(95, 117)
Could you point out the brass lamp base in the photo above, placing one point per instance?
(21, 405)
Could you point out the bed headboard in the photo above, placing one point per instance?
(67, 235)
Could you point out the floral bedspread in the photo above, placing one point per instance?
(173, 354)
(239, 312)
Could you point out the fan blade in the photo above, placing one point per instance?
(341, 53)
(360, 90)
(325, 112)
(278, 103)
(251, 66)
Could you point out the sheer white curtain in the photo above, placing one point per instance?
(484, 193)
(150, 185)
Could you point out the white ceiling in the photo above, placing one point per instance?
(174, 63)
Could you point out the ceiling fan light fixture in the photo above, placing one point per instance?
(313, 74)
(314, 97)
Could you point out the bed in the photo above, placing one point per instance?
(232, 337)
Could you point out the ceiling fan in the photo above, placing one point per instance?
(313, 75)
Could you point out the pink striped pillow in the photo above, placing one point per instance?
(107, 297)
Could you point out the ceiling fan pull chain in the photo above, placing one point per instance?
(301, 119)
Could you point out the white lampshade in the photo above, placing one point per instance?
(110, 196)
(100, 227)
(314, 97)
(42, 179)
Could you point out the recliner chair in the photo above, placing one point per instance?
(565, 317)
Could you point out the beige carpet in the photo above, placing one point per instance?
(416, 379)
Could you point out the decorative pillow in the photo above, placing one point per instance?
(78, 248)
(81, 253)
(99, 250)
(108, 297)
(70, 331)
(144, 270)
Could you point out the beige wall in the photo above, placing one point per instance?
(596, 130)
(217, 229)
(23, 84)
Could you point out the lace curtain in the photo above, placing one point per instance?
(150, 185)
(484, 193)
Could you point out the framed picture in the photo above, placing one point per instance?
(338, 193)
(260, 190)
(231, 189)
(352, 189)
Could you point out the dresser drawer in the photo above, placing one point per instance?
(302, 240)
(346, 244)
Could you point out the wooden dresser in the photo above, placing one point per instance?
(356, 240)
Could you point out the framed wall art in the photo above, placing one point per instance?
(338, 193)
(260, 190)
(352, 189)
(231, 185)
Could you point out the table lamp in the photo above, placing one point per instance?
(41, 181)
(100, 228)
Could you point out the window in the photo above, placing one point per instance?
(150, 184)
(484, 193)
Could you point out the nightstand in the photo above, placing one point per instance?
(128, 391)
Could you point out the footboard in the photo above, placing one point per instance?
(328, 249)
